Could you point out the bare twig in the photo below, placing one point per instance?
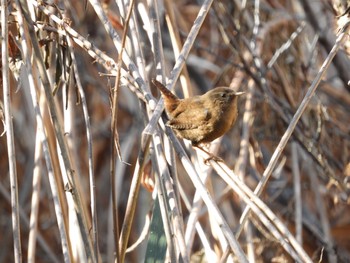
(297, 193)
(46, 152)
(266, 216)
(341, 62)
(90, 152)
(35, 199)
(44, 244)
(286, 45)
(9, 133)
(132, 201)
(69, 172)
(285, 138)
(242, 160)
(180, 62)
(165, 182)
(236, 248)
(115, 146)
(126, 58)
(321, 207)
(176, 43)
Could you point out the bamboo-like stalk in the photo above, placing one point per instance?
(242, 160)
(164, 178)
(171, 255)
(35, 199)
(323, 214)
(285, 138)
(44, 244)
(176, 44)
(195, 210)
(170, 186)
(161, 69)
(180, 61)
(46, 152)
(132, 201)
(266, 216)
(16, 230)
(134, 71)
(273, 53)
(90, 149)
(297, 193)
(135, 186)
(326, 38)
(236, 248)
(193, 223)
(59, 135)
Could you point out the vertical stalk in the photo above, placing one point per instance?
(9, 133)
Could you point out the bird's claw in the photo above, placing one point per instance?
(213, 158)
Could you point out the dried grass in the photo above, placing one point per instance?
(87, 159)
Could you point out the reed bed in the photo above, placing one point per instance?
(91, 173)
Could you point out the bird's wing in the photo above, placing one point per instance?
(189, 118)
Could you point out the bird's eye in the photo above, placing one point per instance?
(223, 95)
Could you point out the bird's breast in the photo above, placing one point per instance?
(226, 117)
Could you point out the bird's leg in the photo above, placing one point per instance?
(211, 156)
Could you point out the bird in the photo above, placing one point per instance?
(201, 119)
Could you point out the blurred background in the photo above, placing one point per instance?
(272, 50)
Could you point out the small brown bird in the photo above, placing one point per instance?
(201, 119)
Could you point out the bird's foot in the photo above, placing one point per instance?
(212, 157)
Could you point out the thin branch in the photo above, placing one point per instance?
(180, 62)
(285, 46)
(341, 61)
(9, 133)
(115, 146)
(171, 255)
(242, 160)
(266, 216)
(39, 238)
(126, 58)
(46, 151)
(132, 201)
(69, 172)
(214, 210)
(176, 44)
(322, 211)
(297, 193)
(193, 220)
(285, 138)
(34, 211)
(90, 150)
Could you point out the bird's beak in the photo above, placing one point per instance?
(240, 93)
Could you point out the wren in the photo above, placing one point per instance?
(201, 119)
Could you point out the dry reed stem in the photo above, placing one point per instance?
(285, 138)
(251, 56)
(68, 170)
(10, 133)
